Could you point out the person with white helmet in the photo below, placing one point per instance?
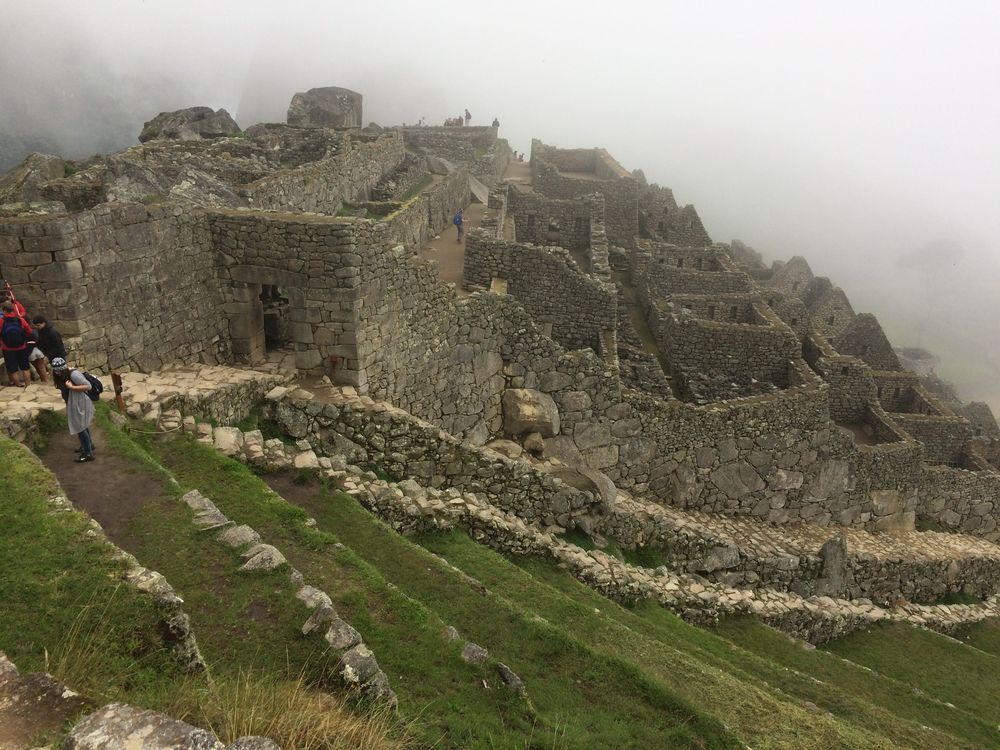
(79, 408)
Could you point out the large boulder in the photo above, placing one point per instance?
(121, 726)
(191, 124)
(326, 107)
(23, 183)
(526, 410)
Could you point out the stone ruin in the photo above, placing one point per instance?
(603, 363)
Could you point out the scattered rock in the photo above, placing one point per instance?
(325, 107)
(473, 653)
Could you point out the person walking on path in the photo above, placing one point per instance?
(468, 117)
(79, 408)
(14, 337)
(459, 222)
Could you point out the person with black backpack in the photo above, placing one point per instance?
(76, 387)
(14, 337)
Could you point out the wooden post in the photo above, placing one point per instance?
(116, 379)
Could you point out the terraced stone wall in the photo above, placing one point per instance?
(404, 446)
(359, 165)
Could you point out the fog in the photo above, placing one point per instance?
(862, 136)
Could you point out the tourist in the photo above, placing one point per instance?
(74, 386)
(467, 117)
(15, 337)
(49, 339)
(459, 222)
(496, 122)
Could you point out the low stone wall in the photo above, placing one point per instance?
(405, 447)
(758, 349)
(805, 559)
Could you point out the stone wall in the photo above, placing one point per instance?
(405, 446)
(620, 190)
(576, 308)
(683, 227)
(865, 338)
(851, 385)
(491, 166)
(128, 285)
(539, 220)
(407, 176)
(945, 439)
(755, 347)
(960, 500)
(352, 173)
(830, 312)
(457, 144)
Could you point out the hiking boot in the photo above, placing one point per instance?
(82, 459)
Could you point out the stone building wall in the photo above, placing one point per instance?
(620, 190)
(945, 439)
(759, 349)
(491, 166)
(865, 338)
(791, 278)
(352, 173)
(539, 220)
(852, 388)
(575, 307)
(129, 286)
(683, 227)
(895, 390)
(960, 500)
(830, 312)
(790, 309)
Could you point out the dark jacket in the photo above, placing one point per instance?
(50, 342)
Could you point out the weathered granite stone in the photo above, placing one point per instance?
(119, 726)
(527, 411)
(192, 123)
(474, 653)
(326, 107)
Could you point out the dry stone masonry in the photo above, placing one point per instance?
(605, 365)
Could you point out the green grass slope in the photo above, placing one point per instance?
(402, 604)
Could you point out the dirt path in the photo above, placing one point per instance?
(111, 489)
(449, 254)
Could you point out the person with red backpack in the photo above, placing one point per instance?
(15, 334)
(76, 388)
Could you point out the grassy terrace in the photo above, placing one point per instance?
(403, 603)
(597, 674)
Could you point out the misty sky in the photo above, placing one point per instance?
(855, 135)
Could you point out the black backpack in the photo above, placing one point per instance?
(96, 386)
(12, 333)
